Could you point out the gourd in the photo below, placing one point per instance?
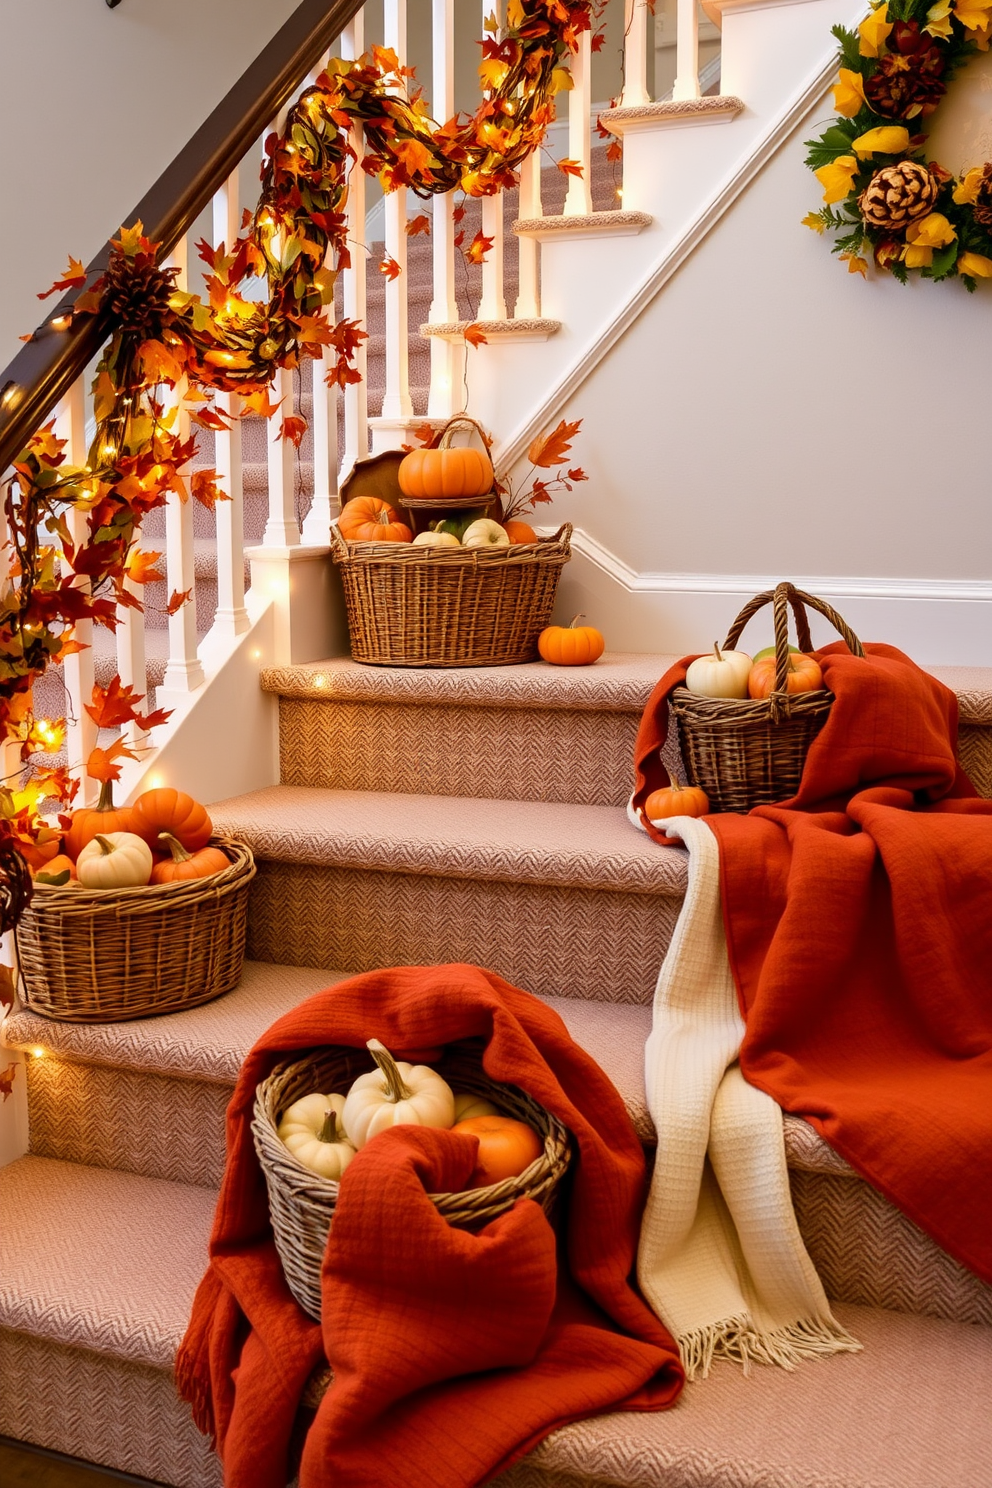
(169, 810)
(181, 865)
(520, 532)
(571, 645)
(446, 471)
(485, 533)
(506, 1148)
(722, 675)
(104, 817)
(676, 800)
(468, 1105)
(370, 519)
(313, 1132)
(395, 1094)
(119, 860)
(433, 539)
(803, 674)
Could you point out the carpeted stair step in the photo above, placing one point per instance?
(85, 1083)
(534, 732)
(563, 900)
(97, 1274)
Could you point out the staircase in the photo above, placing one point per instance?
(424, 817)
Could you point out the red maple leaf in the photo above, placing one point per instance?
(176, 600)
(421, 224)
(389, 268)
(552, 449)
(73, 278)
(474, 335)
(293, 428)
(114, 704)
(478, 248)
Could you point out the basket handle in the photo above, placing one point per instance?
(463, 420)
(787, 594)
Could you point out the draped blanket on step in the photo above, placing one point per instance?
(453, 1353)
(858, 924)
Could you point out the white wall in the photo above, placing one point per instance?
(94, 104)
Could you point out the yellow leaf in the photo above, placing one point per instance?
(874, 32)
(837, 178)
(849, 92)
(966, 193)
(815, 221)
(975, 265)
(887, 139)
(931, 231)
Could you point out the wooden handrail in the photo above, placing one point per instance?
(48, 365)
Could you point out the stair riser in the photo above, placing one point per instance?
(124, 1416)
(559, 942)
(507, 753)
(975, 754)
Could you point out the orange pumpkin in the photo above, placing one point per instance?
(370, 519)
(571, 645)
(520, 532)
(91, 821)
(170, 810)
(803, 675)
(441, 473)
(676, 800)
(506, 1147)
(59, 869)
(182, 865)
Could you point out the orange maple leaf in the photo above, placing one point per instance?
(141, 568)
(478, 248)
(259, 403)
(421, 224)
(114, 704)
(73, 278)
(177, 599)
(570, 168)
(551, 449)
(100, 763)
(389, 268)
(293, 428)
(474, 335)
(205, 489)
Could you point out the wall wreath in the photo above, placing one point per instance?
(884, 199)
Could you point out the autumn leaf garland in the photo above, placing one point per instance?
(882, 199)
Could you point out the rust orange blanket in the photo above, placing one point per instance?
(453, 1353)
(859, 927)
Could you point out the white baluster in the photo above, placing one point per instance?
(356, 409)
(183, 670)
(635, 55)
(396, 401)
(528, 304)
(231, 616)
(282, 529)
(446, 356)
(77, 670)
(492, 305)
(323, 508)
(578, 198)
(687, 51)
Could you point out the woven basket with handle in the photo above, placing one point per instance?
(747, 753)
(302, 1203)
(446, 504)
(110, 955)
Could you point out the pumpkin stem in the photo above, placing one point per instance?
(106, 846)
(105, 800)
(672, 782)
(179, 853)
(330, 1131)
(396, 1090)
(579, 616)
(717, 652)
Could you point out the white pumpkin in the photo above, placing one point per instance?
(468, 1105)
(436, 540)
(485, 533)
(119, 860)
(313, 1131)
(395, 1094)
(722, 675)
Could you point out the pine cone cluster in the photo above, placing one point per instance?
(136, 291)
(983, 203)
(897, 195)
(909, 78)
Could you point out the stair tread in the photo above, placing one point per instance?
(99, 1259)
(453, 837)
(108, 1262)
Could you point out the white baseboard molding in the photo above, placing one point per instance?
(939, 622)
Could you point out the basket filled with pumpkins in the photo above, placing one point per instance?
(143, 911)
(313, 1113)
(745, 724)
(434, 573)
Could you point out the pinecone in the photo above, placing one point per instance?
(983, 204)
(137, 291)
(909, 78)
(898, 194)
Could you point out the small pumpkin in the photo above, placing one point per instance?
(520, 532)
(59, 870)
(720, 674)
(395, 1094)
(119, 860)
(181, 866)
(40, 853)
(485, 533)
(166, 809)
(370, 519)
(468, 1105)
(676, 800)
(436, 539)
(571, 645)
(104, 817)
(506, 1148)
(803, 674)
(445, 472)
(312, 1131)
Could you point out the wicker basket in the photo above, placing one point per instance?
(448, 607)
(302, 1204)
(751, 753)
(110, 955)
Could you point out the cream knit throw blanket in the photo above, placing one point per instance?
(721, 1259)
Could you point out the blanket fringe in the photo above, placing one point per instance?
(738, 1339)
